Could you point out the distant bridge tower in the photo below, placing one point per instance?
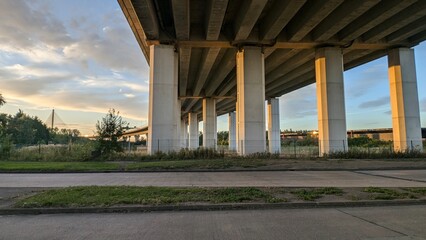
(54, 120)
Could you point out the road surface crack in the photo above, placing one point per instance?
(391, 177)
(371, 222)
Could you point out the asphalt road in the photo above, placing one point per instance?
(384, 178)
(403, 222)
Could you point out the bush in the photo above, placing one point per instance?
(186, 154)
(367, 142)
(52, 153)
(383, 154)
(109, 130)
(6, 146)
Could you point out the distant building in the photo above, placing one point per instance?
(384, 134)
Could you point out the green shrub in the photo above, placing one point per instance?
(387, 194)
(367, 142)
(52, 153)
(315, 193)
(355, 153)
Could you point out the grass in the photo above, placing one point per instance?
(378, 193)
(193, 164)
(361, 153)
(420, 191)
(58, 166)
(197, 164)
(9, 166)
(118, 195)
(52, 153)
(313, 194)
(104, 196)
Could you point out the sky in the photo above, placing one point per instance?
(81, 58)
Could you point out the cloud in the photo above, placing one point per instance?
(32, 31)
(23, 27)
(300, 103)
(78, 101)
(76, 61)
(110, 82)
(366, 79)
(30, 71)
(375, 103)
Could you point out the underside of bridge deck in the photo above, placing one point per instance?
(207, 35)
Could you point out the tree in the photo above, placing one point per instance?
(25, 129)
(2, 101)
(64, 136)
(109, 130)
(222, 138)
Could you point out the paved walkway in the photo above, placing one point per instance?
(397, 222)
(390, 178)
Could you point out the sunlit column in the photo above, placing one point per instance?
(194, 141)
(237, 127)
(232, 131)
(163, 121)
(274, 125)
(251, 100)
(404, 100)
(209, 123)
(330, 100)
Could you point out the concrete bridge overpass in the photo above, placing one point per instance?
(229, 56)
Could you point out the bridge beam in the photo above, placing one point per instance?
(404, 100)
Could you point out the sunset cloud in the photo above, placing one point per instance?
(84, 62)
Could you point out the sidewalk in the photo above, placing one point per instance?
(378, 178)
(14, 186)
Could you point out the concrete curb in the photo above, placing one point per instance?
(220, 170)
(207, 207)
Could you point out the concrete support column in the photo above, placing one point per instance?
(251, 100)
(178, 144)
(404, 100)
(330, 100)
(237, 127)
(209, 123)
(194, 141)
(184, 133)
(274, 133)
(232, 131)
(163, 100)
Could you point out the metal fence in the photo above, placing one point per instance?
(288, 148)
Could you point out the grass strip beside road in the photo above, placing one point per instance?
(57, 166)
(9, 166)
(118, 195)
(105, 196)
(197, 164)
(208, 164)
(315, 193)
